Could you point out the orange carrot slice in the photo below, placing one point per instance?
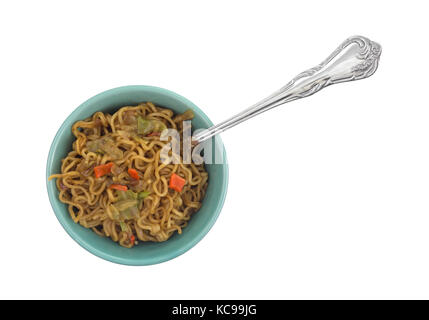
(118, 187)
(133, 173)
(176, 182)
(103, 169)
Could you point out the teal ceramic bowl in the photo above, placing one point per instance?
(148, 252)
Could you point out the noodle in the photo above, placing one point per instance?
(114, 140)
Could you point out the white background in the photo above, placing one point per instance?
(339, 211)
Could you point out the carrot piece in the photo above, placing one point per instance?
(176, 182)
(103, 169)
(154, 134)
(118, 187)
(133, 239)
(133, 173)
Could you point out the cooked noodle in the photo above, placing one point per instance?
(92, 202)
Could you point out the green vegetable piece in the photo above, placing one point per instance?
(105, 145)
(124, 226)
(143, 126)
(143, 194)
(122, 195)
(131, 195)
(115, 212)
(130, 213)
(125, 204)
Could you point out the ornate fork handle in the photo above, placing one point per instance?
(356, 58)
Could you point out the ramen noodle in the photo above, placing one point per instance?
(114, 182)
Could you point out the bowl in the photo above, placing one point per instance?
(145, 253)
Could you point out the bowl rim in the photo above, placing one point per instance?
(141, 261)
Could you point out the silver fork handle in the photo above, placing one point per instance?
(356, 58)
